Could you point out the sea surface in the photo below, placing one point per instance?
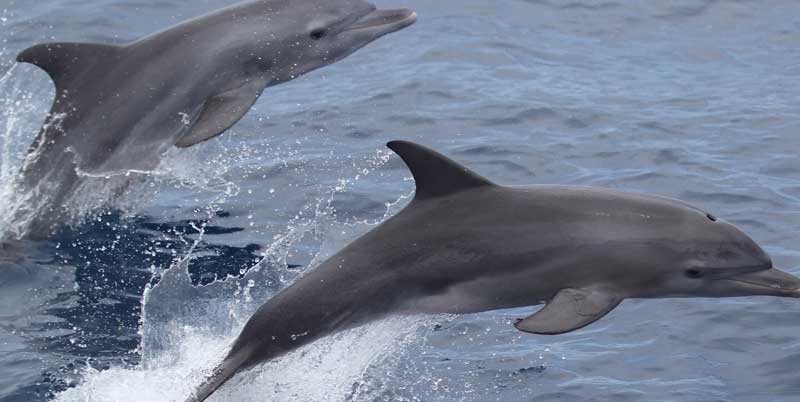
(693, 99)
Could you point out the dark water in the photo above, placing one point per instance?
(691, 99)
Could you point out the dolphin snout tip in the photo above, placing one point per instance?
(794, 286)
(412, 16)
(793, 293)
(405, 16)
(382, 22)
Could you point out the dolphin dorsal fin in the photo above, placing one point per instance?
(64, 61)
(435, 174)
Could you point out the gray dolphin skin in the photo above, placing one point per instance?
(119, 108)
(465, 244)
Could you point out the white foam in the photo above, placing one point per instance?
(22, 110)
(186, 331)
(179, 356)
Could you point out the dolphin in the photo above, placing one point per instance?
(117, 109)
(465, 244)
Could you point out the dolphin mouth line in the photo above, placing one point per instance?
(770, 281)
(767, 286)
(392, 19)
(730, 272)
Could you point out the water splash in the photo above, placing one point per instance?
(20, 109)
(125, 190)
(187, 329)
(328, 370)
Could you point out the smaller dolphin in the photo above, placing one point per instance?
(465, 244)
(119, 108)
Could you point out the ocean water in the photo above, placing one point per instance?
(693, 99)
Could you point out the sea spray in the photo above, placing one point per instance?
(186, 329)
(22, 109)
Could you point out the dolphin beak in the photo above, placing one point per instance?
(768, 282)
(382, 22)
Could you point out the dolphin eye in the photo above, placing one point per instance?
(317, 34)
(694, 273)
(712, 218)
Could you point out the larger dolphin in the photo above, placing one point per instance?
(465, 244)
(119, 108)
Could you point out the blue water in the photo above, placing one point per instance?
(698, 100)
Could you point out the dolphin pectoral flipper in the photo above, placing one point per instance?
(221, 111)
(569, 310)
(65, 61)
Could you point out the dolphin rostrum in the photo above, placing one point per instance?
(119, 108)
(465, 244)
